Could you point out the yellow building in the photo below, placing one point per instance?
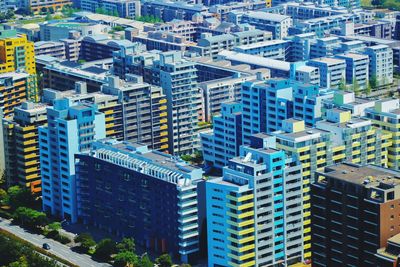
(21, 145)
(386, 115)
(337, 139)
(13, 91)
(17, 54)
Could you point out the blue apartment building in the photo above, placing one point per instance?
(265, 106)
(254, 211)
(71, 128)
(224, 141)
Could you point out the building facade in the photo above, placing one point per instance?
(133, 191)
(13, 90)
(18, 54)
(354, 206)
(254, 211)
(332, 71)
(71, 129)
(21, 145)
(143, 108)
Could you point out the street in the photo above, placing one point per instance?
(57, 248)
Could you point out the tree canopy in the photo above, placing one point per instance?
(104, 249)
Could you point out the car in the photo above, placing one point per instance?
(46, 246)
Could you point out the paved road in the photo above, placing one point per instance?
(57, 248)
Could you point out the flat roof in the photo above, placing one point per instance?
(266, 16)
(256, 60)
(354, 56)
(328, 60)
(260, 44)
(357, 174)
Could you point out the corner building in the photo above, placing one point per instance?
(255, 210)
(355, 210)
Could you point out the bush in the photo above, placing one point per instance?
(63, 239)
(86, 241)
(104, 249)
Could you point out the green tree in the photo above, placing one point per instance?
(3, 197)
(126, 245)
(100, 10)
(356, 87)
(164, 260)
(124, 258)
(342, 84)
(186, 158)
(55, 226)
(368, 89)
(86, 241)
(104, 249)
(145, 261)
(48, 16)
(30, 218)
(115, 13)
(21, 262)
(185, 265)
(373, 81)
(20, 197)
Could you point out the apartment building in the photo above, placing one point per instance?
(134, 191)
(21, 145)
(332, 71)
(307, 75)
(177, 76)
(354, 212)
(17, 54)
(43, 6)
(275, 49)
(385, 114)
(148, 101)
(380, 64)
(122, 8)
(275, 23)
(251, 219)
(170, 10)
(346, 100)
(324, 47)
(209, 45)
(332, 141)
(98, 47)
(57, 30)
(14, 91)
(108, 104)
(48, 48)
(357, 70)
(227, 89)
(265, 106)
(71, 128)
(300, 46)
(223, 142)
(62, 76)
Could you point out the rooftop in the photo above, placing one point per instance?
(255, 60)
(328, 60)
(153, 163)
(266, 16)
(260, 44)
(360, 174)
